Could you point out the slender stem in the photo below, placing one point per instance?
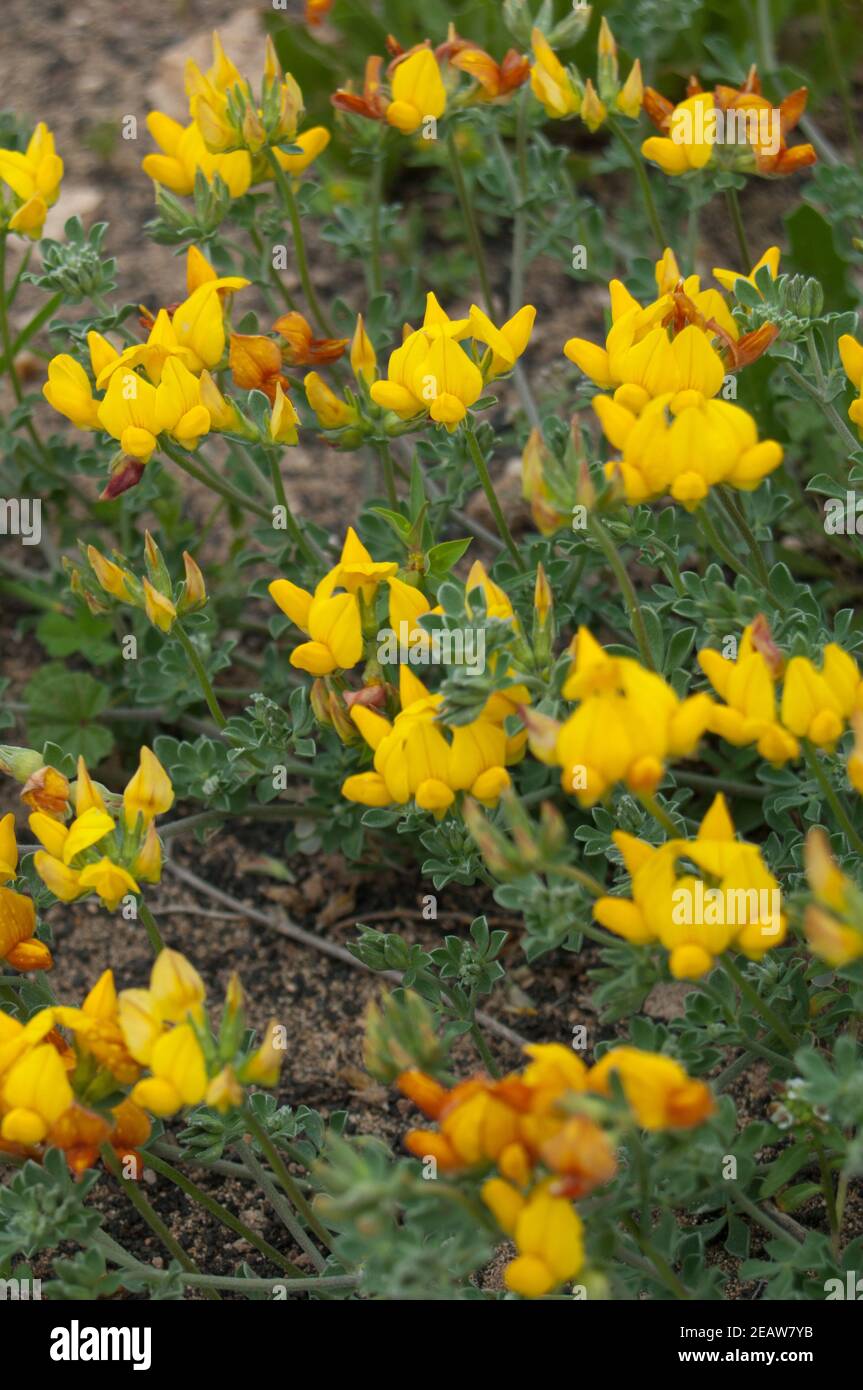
(760, 1217)
(203, 679)
(732, 202)
(9, 354)
(300, 540)
(831, 797)
(663, 1269)
(154, 936)
(738, 517)
(839, 425)
(715, 542)
(637, 163)
(491, 496)
(386, 459)
(770, 1017)
(221, 1213)
(34, 325)
(627, 589)
(469, 217)
(483, 1050)
(277, 1164)
(215, 483)
(145, 1210)
(289, 203)
(581, 876)
(827, 1189)
(280, 1204)
(660, 815)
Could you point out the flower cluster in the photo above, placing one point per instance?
(33, 178)
(667, 362)
(62, 1070)
(231, 132)
(550, 1138)
(730, 127)
(97, 853)
(162, 600)
(734, 906)
(628, 723)
(816, 703)
(562, 92)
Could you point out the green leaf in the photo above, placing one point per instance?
(64, 706)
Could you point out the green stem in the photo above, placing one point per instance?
(627, 589)
(732, 202)
(491, 496)
(280, 1204)
(215, 483)
(637, 163)
(277, 1164)
(221, 1213)
(152, 1218)
(28, 331)
(483, 1050)
(714, 542)
(289, 204)
(469, 217)
(757, 1215)
(663, 1269)
(387, 469)
(733, 509)
(660, 815)
(839, 425)
(831, 796)
(770, 1017)
(154, 936)
(827, 1190)
(294, 528)
(200, 672)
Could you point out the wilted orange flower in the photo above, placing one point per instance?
(47, 790)
(317, 11)
(302, 348)
(373, 103)
(256, 364)
(494, 79)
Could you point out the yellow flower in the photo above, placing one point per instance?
(686, 146)
(332, 412)
(184, 153)
(178, 1074)
(119, 583)
(8, 849)
(179, 411)
(34, 177)
(834, 923)
(851, 353)
(683, 445)
(312, 142)
(414, 761)
(224, 415)
(508, 342)
(357, 571)
(176, 987)
(128, 413)
(364, 363)
(149, 792)
(817, 705)
(332, 622)
(417, 91)
(548, 1235)
(283, 419)
(69, 391)
(728, 278)
(550, 82)
(159, 609)
(747, 686)
(34, 1094)
(628, 723)
(110, 881)
(265, 1063)
(657, 1088)
(696, 923)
